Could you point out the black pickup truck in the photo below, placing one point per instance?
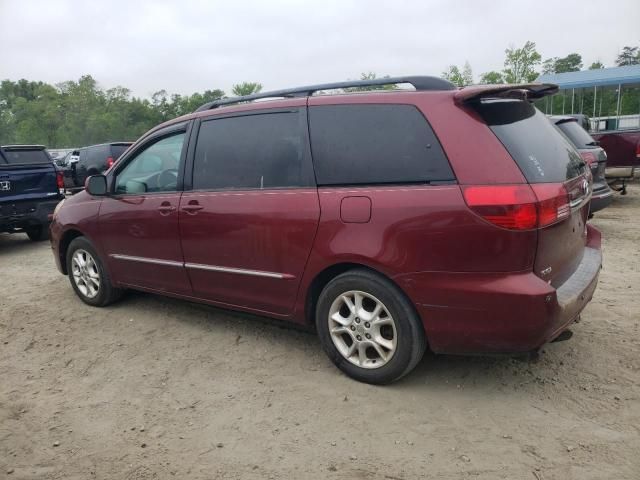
(29, 190)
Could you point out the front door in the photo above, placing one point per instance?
(249, 223)
(139, 220)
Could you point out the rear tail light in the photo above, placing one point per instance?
(638, 150)
(553, 203)
(519, 207)
(110, 162)
(589, 158)
(59, 180)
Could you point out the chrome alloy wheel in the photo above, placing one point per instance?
(362, 329)
(85, 273)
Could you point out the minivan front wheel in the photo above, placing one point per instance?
(88, 275)
(368, 327)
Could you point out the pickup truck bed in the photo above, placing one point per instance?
(623, 155)
(29, 190)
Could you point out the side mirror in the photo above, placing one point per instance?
(96, 185)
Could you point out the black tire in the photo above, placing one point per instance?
(37, 233)
(410, 337)
(106, 293)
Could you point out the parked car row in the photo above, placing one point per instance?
(78, 164)
(391, 220)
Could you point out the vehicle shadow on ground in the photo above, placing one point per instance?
(434, 371)
(11, 243)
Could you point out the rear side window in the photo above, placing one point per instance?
(98, 154)
(24, 157)
(576, 134)
(118, 150)
(251, 152)
(541, 152)
(375, 144)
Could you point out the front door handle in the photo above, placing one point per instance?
(166, 208)
(192, 207)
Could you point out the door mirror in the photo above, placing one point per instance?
(96, 185)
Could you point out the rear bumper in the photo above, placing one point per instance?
(500, 312)
(602, 196)
(20, 215)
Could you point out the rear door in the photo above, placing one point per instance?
(139, 219)
(248, 224)
(550, 163)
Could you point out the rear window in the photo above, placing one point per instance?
(541, 152)
(576, 134)
(24, 157)
(375, 144)
(118, 150)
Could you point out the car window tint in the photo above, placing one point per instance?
(118, 150)
(577, 134)
(17, 157)
(250, 152)
(375, 144)
(154, 169)
(540, 150)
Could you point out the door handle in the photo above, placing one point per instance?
(166, 208)
(192, 207)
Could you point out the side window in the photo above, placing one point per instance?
(250, 152)
(375, 144)
(154, 169)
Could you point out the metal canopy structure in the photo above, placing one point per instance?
(599, 81)
(594, 78)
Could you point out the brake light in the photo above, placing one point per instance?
(507, 206)
(59, 180)
(589, 158)
(553, 203)
(519, 207)
(110, 162)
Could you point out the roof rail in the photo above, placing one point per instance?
(420, 83)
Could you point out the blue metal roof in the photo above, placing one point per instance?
(592, 78)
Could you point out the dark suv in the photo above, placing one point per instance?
(592, 154)
(92, 160)
(450, 217)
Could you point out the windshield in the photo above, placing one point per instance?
(541, 152)
(576, 134)
(24, 157)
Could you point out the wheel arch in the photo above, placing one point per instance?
(322, 278)
(65, 241)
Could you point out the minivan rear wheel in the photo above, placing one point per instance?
(368, 327)
(88, 275)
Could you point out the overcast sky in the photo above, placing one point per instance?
(186, 46)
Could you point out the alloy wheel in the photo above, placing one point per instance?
(362, 329)
(85, 273)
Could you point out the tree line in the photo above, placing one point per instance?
(78, 113)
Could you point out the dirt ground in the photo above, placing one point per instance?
(157, 388)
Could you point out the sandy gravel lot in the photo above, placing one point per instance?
(156, 388)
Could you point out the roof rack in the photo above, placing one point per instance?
(420, 83)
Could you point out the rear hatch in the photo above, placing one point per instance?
(26, 173)
(559, 178)
(588, 148)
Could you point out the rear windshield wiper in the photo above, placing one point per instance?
(595, 143)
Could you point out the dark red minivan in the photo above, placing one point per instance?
(453, 218)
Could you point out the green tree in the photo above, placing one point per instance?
(549, 66)
(520, 63)
(628, 56)
(458, 77)
(491, 77)
(570, 63)
(246, 88)
(597, 65)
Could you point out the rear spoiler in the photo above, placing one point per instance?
(524, 91)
